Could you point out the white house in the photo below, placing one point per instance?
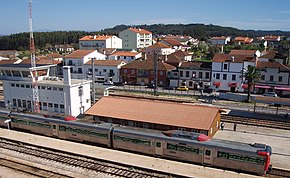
(56, 95)
(135, 38)
(226, 72)
(78, 58)
(128, 56)
(105, 70)
(220, 40)
(159, 48)
(100, 41)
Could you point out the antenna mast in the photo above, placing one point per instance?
(35, 94)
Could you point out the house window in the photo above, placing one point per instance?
(224, 76)
(181, 73)
(161, 73)
(104, 70)
(280, 78)
(234, 77)
(225, 66)
(125, 71)
(262, 77)
(200, 75)
(187, 74)
(193, 74)
(207, 75)
(271, 78)
(190, 83)
(218, 76)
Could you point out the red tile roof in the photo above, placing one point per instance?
(269, 55)
(105, 62)
(148, 65)
(244, 39)
(78, 54)
(263, 65)
(172, 42)
(243, 52)
(139, 30)
(55, 55)
(10, 61)
(156, 112)
(95, 38)
(228, 58)
(158, 45)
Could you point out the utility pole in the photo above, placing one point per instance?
(34, 76)
(93, 81)
(155, 62)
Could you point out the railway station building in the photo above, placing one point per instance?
(156, 114)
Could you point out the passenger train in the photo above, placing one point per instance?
(182, 146)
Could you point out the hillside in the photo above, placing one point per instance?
(20, 41)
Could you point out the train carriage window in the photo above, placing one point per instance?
(207, 152)
(62, 128)
(158, 144)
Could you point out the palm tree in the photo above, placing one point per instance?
(251, 76)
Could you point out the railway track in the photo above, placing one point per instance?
(81, 161)
(278, 173)
(256, 122)
(30, 170)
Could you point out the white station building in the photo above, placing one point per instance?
(56, 95)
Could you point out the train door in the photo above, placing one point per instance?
(54, 130)
(158, 148)
(207, 156)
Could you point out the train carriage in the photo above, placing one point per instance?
(97, 134)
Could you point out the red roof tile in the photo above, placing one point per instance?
(124, 53)
(41, 60)
(78, 54)
(139, 30)
(158, 45)
(148, 65)
(105, 62)
(156, 112)
(172, 42)
(242, 52)
(232, 58)
(263, 65)
(219, 38)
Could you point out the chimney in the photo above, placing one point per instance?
(233, 58)
(66, 75)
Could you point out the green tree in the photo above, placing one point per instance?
(251, 76)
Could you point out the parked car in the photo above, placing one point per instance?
(118, 83)
(151, 85)
(182, 88)
(271, 94)
(108, 83)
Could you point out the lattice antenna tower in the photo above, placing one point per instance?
(34, 76)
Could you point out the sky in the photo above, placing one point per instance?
(95, 15)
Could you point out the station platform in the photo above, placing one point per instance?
(169, 166)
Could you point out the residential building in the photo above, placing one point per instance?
(78, 58)
(135, 38)
(174, 44)
(100, 41)
(105, 70)
(10, 54)
(177, 57)
(142, 72)
(156, 115)
(64, 48)
(243, 40)
(184, 40)
(128, 56)
(195, 75)
(220, 40)
(274, 77)
(159, 48)
(56, 95)
(227, 70)
(274, 56)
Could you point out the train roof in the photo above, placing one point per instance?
(226, 144)
(57, 121)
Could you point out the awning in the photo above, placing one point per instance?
(282, 88)
(217, 84)
(233, 84)
(262, 86)
(245, 86)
